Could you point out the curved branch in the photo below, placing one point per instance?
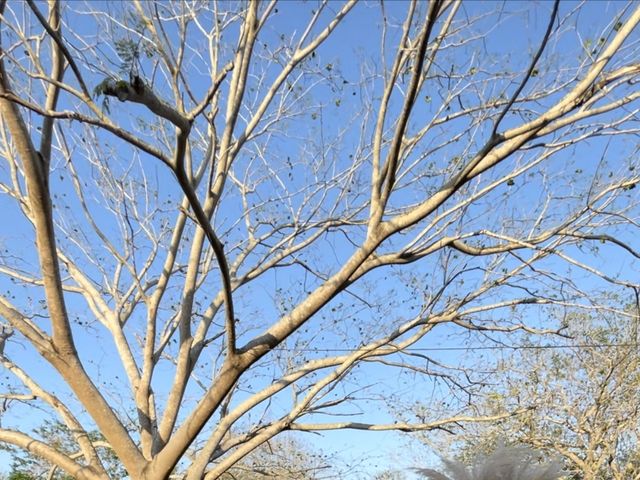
(216, 245)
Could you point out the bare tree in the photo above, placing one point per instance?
(242, 211)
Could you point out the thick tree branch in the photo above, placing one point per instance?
(404, 426)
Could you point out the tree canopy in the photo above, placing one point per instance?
(224, 221)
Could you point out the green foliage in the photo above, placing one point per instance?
(100, 90)
(130, 50)
(110, 87)
(19, 476)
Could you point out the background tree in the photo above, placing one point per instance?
(390, 475)
(582, 401)
(287, 459)
(224, 221)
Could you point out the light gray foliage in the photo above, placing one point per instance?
(505, 463)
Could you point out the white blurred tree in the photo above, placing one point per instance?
(221, 218)
(512, 463)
